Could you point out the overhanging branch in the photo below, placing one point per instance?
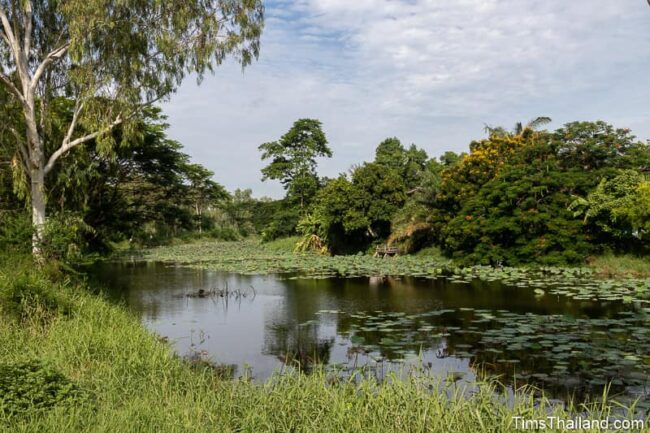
(67, 145)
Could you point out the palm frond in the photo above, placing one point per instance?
(539, 121)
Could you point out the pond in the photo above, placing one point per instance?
(457, 330)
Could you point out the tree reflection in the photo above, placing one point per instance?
(298, 346)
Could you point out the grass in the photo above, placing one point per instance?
(283, 245)
(621, 266)
(133, 382)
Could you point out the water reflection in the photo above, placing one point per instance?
(445, 327)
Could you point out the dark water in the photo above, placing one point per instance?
(458, 331)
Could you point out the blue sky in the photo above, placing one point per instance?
(431, 72)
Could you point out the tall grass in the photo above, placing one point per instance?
(621, 266)
(285, 245)
(137, 384)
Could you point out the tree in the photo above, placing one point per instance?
(293, 159)
(144, 191)
(202, 191)
(618, 208)
(347, 215)
(519, 128)
(409, 163)
(238, 210)
(507, 200)
(519, 216)
(110, 59)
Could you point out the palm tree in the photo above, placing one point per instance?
(519, 128)
(533, 124)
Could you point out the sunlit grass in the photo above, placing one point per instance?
(287, 245)
(621, 266)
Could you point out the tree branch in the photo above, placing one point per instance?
(79, 105)
(19, 55)
(67, 145)
(12, 88)
(27, 26)
(9, 34)
(53, 56)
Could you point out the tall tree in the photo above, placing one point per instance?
(203, 191)
(110, 58)
(293, 159)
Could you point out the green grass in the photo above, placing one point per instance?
(621, 266)
(286, 245)
(133, 382)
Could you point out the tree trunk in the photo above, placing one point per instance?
(37, 178)
(38, 211)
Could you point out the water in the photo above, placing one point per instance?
(457, 331)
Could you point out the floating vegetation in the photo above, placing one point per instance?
(607, 341)
(553, 351)
(251, 257)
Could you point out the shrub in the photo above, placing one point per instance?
(32, 386)
(15, 231)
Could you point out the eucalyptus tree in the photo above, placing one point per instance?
(110, 58)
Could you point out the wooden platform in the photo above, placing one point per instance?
(386, 251)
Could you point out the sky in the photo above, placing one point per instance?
(430, 72)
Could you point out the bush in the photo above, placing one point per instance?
(15, 231)
(65, 239)
(32, 386)
(25, 294)
(225, 234)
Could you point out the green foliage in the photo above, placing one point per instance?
(314, 236)
(32, 386)
(104, 63)
(591, 146)
(15, 231)
(146, 191)
(293, 163)
(520, 216)
(618, 207)
(628, 265)
(237, 212)
(293, 159)
(202, 191)
(283, 221)
(408, 163)
(512, 199)
(225, 234)
(639, 213)
(65, 238)
(24, 294)
(348, 214)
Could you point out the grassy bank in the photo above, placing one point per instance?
(103, 372)
(621, 266)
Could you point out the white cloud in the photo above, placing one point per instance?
(428, 71)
